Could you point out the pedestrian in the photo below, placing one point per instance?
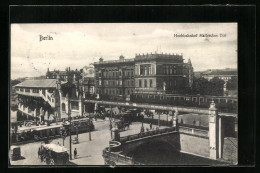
(75, 153)
(151, 126)
(39, 152)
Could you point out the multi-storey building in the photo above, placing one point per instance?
(115, 78)
(87, 82)
(67, 75)
(224, 74)
(188, 72)
(160, 73)
(147, 73)
(45, 98)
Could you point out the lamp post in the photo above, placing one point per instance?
(111, 121)
(89, 134)
(69, 117)
(63, 134)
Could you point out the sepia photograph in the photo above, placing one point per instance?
(110, 94)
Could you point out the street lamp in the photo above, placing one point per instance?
(110, 121)
(69, 117)
(63, 134)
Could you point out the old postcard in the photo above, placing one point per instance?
(123, 94)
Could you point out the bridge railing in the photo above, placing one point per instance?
(116, 157)
(194, 131)
(145, 134)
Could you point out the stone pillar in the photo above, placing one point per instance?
(213, 131)
(174, 119)
(115, 134)
(80, 106)
(67, 103)
(220, 137)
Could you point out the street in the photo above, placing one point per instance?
(89, 152)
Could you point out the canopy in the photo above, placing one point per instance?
(56, 148)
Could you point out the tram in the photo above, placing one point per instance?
(45, 132)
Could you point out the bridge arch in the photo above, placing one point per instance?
(149, 153)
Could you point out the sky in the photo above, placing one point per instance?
(78, 45)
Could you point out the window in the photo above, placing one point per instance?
(174, 70)
(145, 83)
(119, 73)
(175, 83)
(27, 90)
(170, 69)
(133, 83)
(151, 83)
(120, 82)
(35, 90)
(21, 89)
(140, 82)
(141, 70)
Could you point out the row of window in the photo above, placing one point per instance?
(116, 83)
(116, 91)
(115, 73)
(169, 69)
(27, 90)
(145, 69)
(144, 83)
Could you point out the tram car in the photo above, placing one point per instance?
(54, 154)
(45, 132)
(82, 125)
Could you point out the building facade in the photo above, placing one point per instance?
(146, 73)
(115, 78)
(224, 74)
(87, 82)
(67, 75)
(160, 73)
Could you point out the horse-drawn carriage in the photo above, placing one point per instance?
(54, 154)
(121, 125)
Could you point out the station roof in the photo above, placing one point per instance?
(42, 83)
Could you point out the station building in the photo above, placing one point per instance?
(47, 99)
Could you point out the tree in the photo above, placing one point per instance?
(216, 87)
(200, 86)
(232, 84)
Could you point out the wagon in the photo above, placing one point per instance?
(54, 154)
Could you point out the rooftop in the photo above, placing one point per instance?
(220, 72)
(42, 83)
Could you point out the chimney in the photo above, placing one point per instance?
(101, 59)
